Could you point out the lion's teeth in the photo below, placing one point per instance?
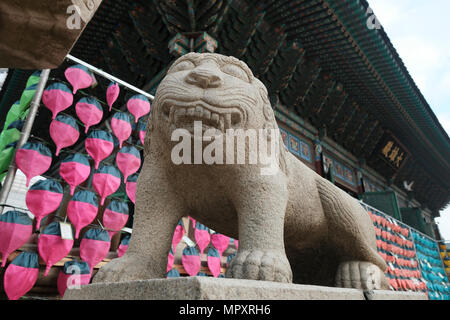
(171, 114)
(198, 111)
(179, 113)
(215, 117)
(206, 114)
(222, 123)
(228, 121)
(190, 112)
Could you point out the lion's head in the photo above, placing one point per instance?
(220, 91)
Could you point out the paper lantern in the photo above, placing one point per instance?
(52, 247)
(106, 181)
(177, 235)
(142, 130)
(79, 77)
(57, 97)
(73, 275)
(214, 264)
(202, 236)
(115, 216)
(33, 159)
(123, 247)
(11, 134)
(130, 187)
(138, 106)
(27, 95)
(191, 261)
(64, 132)
(220, 242)
(230, 258)
(89, 111)
(99, 145)
(94, 246)
(112, 93)
(121, 126)
(43, 198)
(15, 230)
(128, 160)
(82, 209)
(170, 260)
(75, 169)
(21, 275)
(174, 273)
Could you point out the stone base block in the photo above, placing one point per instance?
(203, 288)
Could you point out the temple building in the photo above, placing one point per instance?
(344, 100)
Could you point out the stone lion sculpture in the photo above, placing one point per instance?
(292, 226)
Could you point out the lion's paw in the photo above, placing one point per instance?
(127, 268)
(270, 265)
(360, 275)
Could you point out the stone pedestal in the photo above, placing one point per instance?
(203, 288)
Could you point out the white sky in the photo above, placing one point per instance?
(419, 31)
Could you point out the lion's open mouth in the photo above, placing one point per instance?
(210, 117)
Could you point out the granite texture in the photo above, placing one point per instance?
(292, 225)
(204, 288)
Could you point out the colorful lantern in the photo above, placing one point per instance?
(112, 93)
(128, 160)
(21, 275)
(230, 258)
(89, 111)
(94, 246)
(15, 230)
(11, 134)
(73, 274)
(170, 260)
(174, 273)
(191, 261)
(33, 159)
(43, 198)
(142, 129)
(79, 77)
(82, 209)
(138, 106)
(57, 97)
(130, 187)
(52, 247)
(202, 236)
(64, 132)
(75, 169)
(177, 235)
(220, 242)
(121, 126)
(99, 145)
(106, 181)
(123, 247)
(214, 263)
(115, 216)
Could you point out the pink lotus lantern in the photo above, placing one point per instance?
(57, 97)
(89, 111)
(43, 198)
(64, 132)
(79, 77)
(15, 230)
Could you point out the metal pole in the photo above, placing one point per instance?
(24, 137)
(110, 77)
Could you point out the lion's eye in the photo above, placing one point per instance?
(183, 65)
(235, 71)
